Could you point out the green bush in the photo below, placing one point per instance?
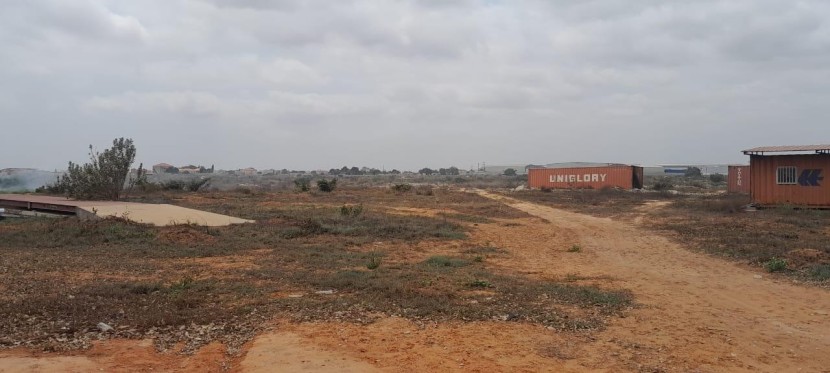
(575, 249)
(820, 272)
(302, 184)
(776, 265)
(717, 178)
(326, 186)
(401, 188)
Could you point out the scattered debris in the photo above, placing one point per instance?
(104, 327)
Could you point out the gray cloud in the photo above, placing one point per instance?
(408, 84)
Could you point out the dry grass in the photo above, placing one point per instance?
(196, 285)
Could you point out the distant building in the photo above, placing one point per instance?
(190, 170)
(250, 171)
(162, 168)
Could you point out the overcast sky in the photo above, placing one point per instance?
(408, 84)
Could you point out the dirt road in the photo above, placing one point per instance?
(699, 313)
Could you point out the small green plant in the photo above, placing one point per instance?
(478, 259)
(182, 285)
(575, 249)
(374, 261)
(326, 186)
(776, 265)
(480, 284)
(820, 272)
(444, 261)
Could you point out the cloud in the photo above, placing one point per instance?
(417, 83)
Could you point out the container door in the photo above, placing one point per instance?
(637, 177)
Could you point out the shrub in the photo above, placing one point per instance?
(479, 284)
(662, 184)
(424, 190)
(351, 210)
(776, 265)
(374, 261)
(302, 184)
(196, 184)
(820, 272)
(575, 249)
(326, 186)
(717, 178)
(510, 172)
(444, 261)
(401, 188)
(172, 185)
(693, 172)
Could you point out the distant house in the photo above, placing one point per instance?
(250, 171)
(190, 169)
(162, 168)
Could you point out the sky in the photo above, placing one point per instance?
(410, 84)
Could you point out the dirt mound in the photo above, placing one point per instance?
(802, 258)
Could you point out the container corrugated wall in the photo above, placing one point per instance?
(810, 189)
(626, 177)
(738, 180)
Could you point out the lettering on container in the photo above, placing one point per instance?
(578, 178)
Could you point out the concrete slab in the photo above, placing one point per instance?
(145, 213)
(159, 215)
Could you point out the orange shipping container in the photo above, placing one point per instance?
(797, 180)
(626, 177)
(738, 180)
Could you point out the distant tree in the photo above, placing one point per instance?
(717, 178)
(374, 171)
(105, 176)
(395, 172)
(693, 172)
(509, 172)
(426, 171)
(355, 171)
(453, 171)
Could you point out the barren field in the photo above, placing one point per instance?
(371, 279)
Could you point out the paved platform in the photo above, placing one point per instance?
(145, 213)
